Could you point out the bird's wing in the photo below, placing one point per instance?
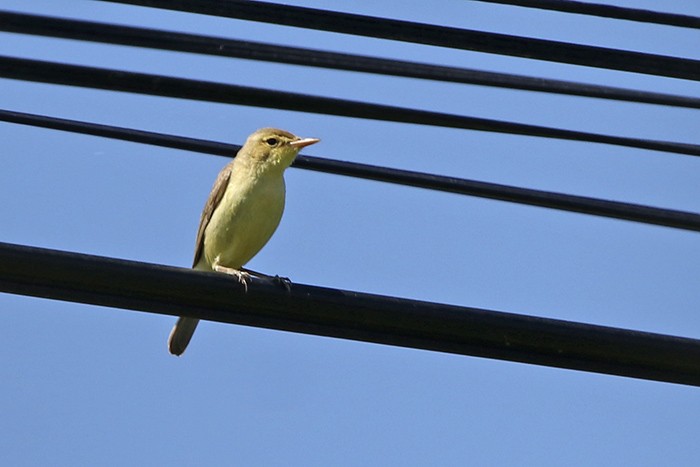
(217, 193)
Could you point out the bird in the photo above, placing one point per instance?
(242, 212)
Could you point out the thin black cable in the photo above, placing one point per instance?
(158, 85)
(345, 314)
(219, 46)
(546, 199)
(464, 39)
(606, 11)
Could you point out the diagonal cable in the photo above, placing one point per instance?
(223, 47)
(158, 85)
(546, 199)
(345, 314)
(606, 11)
(429, 34)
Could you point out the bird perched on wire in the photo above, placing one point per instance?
(242, 212)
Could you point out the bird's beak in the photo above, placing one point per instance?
(302, 143)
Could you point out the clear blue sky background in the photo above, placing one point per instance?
(84, 385)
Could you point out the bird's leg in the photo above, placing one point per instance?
(283, 281)
(240, 274)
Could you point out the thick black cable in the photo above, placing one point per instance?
(158, 85)
(606, 11)
(546, 199)
(429, 34)
(344, 314)
(219, 46)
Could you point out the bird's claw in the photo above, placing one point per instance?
(284, 282)
(242, 276)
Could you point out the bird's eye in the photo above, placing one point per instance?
(272, 141)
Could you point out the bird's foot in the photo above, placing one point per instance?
(242, 275)
(283, 281)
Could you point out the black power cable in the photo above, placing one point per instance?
(158, 85)
(465, 39)
(580, 204)
(348, 315)
(219, 46)
(606, 11)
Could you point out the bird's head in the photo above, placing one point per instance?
(272, 148)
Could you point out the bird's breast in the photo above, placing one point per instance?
(244, 220)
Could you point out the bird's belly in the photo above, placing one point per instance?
(243, 223)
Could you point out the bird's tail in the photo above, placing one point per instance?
(181, 334)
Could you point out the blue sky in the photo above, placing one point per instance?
(85, 385)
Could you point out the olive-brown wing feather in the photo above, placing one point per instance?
(217, 193)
